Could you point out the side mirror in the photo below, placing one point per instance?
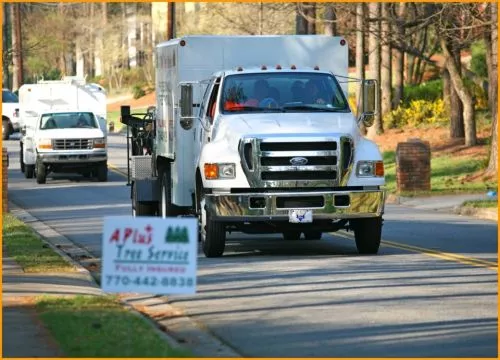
(23, 130)
(370, 102)
(186, 106)
(102, 124)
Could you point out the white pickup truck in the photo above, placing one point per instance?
(254, 134)
(65, 129)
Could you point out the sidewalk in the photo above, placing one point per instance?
(447, 203)
(23, 333)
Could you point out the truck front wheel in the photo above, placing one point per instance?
(5, 129)
(41, 172)
(21, 160)
(102, 172)
(212, 233)
(29, 171)
(166, 208)
(368, 233)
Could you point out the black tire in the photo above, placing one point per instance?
(313, 235)
(21, 160)
(41, 172)
(5, 129)
(368, 233)
(140, 208)
(29, 171)
(291, 235)
(102, 172)
(212, 236)
(165, 206)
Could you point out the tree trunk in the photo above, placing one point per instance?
(311, 21)
(457, 128)
(385, 67)
(300, 20)
(17, 47)
(493, 160)
(463, 93)
(360, 58)
(330, 17)
(399, 59)
(447, 88)
(6, 45)
(374, 60)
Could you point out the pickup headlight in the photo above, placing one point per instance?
(44, 144)
(370, 169)
(99, 143)
(220, 171)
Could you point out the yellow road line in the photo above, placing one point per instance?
(437, 254)
(115, 169)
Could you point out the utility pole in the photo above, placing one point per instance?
(171, 21)
(17, 47)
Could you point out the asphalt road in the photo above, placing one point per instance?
(430, 292)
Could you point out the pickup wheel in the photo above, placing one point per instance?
(102, 172)
(368, 233)
(212, 233)
(29, 171)
(291, 235)
(313, 235)
(41, 172)
(140, 208)
(21, 160)
(5, 129)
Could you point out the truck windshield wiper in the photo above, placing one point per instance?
(311, 107)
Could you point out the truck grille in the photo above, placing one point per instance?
(307, 162)
(72, 144)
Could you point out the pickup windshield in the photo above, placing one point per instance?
(282, 92)
(68, 120)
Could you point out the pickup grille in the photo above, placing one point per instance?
(72, 144)
(307, 162)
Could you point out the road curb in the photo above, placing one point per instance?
(179, 331)
(481, 213)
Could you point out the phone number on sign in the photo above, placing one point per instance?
(172, 281)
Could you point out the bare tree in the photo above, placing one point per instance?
(399, 56)
(385, 66)
(330, 17)
(374, 59)
(6, 53)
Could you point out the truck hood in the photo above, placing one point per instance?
(233, 127)
(70, 134)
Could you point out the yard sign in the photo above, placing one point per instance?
(149, 255)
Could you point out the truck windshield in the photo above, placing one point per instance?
(68, 120)
(282, 92)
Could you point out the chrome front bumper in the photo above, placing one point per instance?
(276, 206)
(72, 157)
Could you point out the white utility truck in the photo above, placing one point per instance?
(64, 129)
(254, 134)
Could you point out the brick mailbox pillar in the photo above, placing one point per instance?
(413, 166)
(5, 165)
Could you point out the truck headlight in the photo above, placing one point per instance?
(44, 144)
(220, 171)
(370, 169)
(99, 143)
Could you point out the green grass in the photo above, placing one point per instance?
(481, 203)
(97, 326)
(31, 253)
(446, 175)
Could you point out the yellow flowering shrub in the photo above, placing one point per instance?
(418, 112)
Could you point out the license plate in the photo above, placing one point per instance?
(300, 216)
